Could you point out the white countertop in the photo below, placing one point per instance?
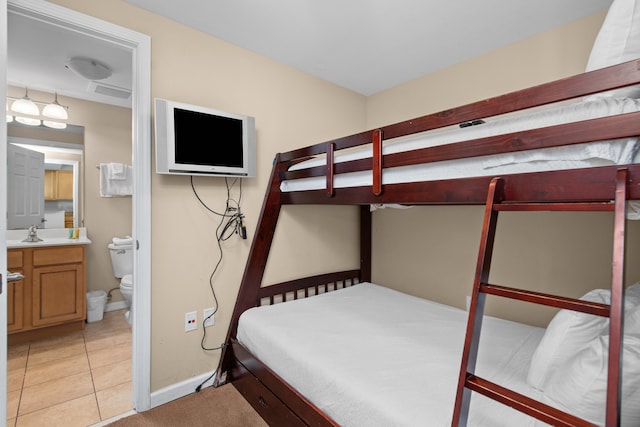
(49, 236)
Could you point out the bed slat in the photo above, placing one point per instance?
(330, 169)
(377, 162)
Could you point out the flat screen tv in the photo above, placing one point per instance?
(194, 140)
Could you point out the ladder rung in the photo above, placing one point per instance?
(522, 403)
(557, 301)
(575, 207)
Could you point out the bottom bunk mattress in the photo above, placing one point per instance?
(367, 355)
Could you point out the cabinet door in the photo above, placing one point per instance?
(65, 185)
(15, 301)
(58, 294)
(50, 185)
(58, 185)
(15, 291)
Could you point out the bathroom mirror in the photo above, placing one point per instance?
(62, 173)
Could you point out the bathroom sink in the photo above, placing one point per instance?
(50, 237)
(48, 242)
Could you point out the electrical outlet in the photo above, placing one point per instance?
(209, 317)
(191, 321)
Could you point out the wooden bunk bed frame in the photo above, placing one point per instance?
(580, 189)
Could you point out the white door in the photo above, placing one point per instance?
(25, 187)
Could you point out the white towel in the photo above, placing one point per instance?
(121, 241)
(117, 171)
(115, 187)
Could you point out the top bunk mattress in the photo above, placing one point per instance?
(368, 355)
(600, 153)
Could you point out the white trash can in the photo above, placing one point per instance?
(96, 300)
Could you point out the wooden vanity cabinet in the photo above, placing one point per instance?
(53, 290)
(15, 293)
(58, 285)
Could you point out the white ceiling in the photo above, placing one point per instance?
(37, 52)
(363, 45)
(372, 45)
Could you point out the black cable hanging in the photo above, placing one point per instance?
(231, 222)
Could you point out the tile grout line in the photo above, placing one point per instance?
(93, 383)
(24, 376)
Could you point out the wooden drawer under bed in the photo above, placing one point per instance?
(267, 393)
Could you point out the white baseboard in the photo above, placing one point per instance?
(113, 419)
(181, 389)
(113, 306)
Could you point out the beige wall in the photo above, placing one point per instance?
(107, 133)
(287, 104)
(548, 56)
(291, 109)
(107, 138)
(566, 252)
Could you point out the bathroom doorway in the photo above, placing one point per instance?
(139, 47)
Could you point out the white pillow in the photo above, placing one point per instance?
(580, 386)
(618, 41)
(633, 291)
(567, 334)
(632, 321)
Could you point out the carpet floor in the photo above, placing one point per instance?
(222, 406)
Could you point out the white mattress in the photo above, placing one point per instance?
(367, 355)
(572, 157)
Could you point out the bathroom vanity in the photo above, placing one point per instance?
(51, 297)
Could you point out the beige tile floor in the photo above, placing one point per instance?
(77, 379)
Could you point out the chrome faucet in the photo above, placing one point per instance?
(33, 235)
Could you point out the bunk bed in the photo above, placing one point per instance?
(336, 349)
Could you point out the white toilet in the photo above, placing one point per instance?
(122, 262)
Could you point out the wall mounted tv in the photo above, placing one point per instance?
(194, 140)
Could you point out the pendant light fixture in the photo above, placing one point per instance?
(27, 112)
(55, 110)
(25, 105)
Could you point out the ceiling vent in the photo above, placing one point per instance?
(109, 90)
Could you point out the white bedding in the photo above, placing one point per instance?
(370, 356)
(572, 157)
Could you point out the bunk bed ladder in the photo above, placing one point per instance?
(468, 382)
